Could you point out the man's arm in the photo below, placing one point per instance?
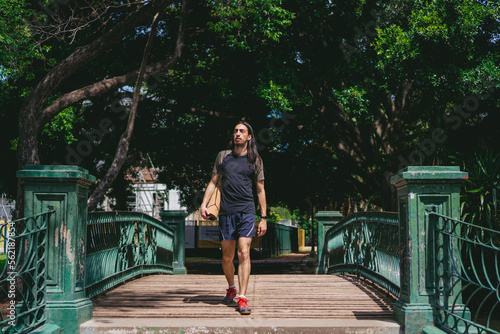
(208, 193)
(261, 195)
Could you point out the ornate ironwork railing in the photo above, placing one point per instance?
(467, 287)
(366, 244)
(122, 245)
(24, 276)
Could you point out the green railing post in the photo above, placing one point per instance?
(65, 189)
(177, 220)
(421, 189)
(326, 219)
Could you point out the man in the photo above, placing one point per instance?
(239, 168)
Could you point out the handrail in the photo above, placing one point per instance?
(98, 217)
(24, 277)
(122, 245)
(467, 290)
(366, 244)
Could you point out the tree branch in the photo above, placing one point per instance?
(102, 87)
(107, 85)
(30, 120)
(30, 123)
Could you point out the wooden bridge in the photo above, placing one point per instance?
(301, 302)
(67, 268)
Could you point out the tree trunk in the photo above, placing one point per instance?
(124, 143)
(32, 120)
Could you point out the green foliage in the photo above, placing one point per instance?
(480, 202)
(246, 24)
(277, 213)
(276, 97)
(60, 129)
(336, 121)
(301, 220)
(431, 40)
(19, 47)
(355, 103)
(445, 51)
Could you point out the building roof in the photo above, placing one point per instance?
(142, 175)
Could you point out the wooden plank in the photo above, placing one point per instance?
(269, 296)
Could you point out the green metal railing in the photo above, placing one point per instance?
(279, 239)
(468, 287)
(122, 245)
(365, 244)
(56, 260)
(24, 276)
(444, 272)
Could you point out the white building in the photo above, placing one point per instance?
(6, 208)
(150, 196)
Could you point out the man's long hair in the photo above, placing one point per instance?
(253, 156)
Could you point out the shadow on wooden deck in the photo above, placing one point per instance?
(284, 293)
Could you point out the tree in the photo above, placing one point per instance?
(48, 98)
(353, 91)
(374, 83)
(110, 25)
(347, 97)
(124, 143)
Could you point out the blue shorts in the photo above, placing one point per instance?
(232, 227)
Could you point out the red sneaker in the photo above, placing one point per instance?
(231, 293)
(242, 306)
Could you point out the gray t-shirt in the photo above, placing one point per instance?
(237, 178)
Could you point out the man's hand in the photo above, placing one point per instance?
(208, 192)
(261, 230)
(204, 212)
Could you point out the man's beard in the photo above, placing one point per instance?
(242, 145)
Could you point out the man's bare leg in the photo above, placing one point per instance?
(244, 265)
(228, 248)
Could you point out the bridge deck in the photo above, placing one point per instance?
(270, 296)
(281, 303)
